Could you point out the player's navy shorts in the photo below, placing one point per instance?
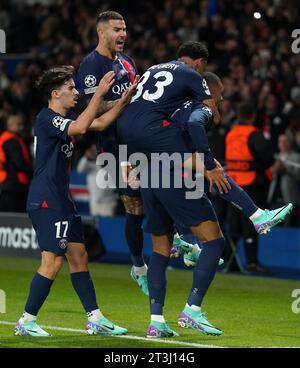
(165, 207)
(55, 229)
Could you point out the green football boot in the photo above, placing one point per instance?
(180, 247)
(30, 329)
(268, 219)
(104, 327)
(141, 281)
(197, 321)
(156, 330)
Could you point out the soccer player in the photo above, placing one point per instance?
(49, 204)
(196, 119)
(142, 126)
(161, 90)
(108, 55)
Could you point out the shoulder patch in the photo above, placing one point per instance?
(90, 80)
(205, 86)
(205, 108)
(59, 122)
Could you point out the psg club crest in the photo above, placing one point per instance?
(90, 80)
(63, 243)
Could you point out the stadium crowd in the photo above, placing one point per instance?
(252, 55)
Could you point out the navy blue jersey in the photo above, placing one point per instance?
(93, 67)
(53, 152)
(192, 111)
(196, 118)
(162, 89)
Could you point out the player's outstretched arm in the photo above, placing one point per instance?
(85, 119)
(105, 120)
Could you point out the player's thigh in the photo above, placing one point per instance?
(51, 228)
(76, 252)
(185, 212)
(51, 261)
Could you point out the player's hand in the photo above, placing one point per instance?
(129, 92)
(218, 164)
(217, 176)
(105, 83)
(129, 175)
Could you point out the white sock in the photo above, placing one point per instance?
(196, 249)
(193, 307)
(256, 214)
(139, 271)
(94, 315)
(27, 317)
(157, 318)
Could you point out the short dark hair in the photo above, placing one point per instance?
(193, 49)
(212, 79)
(245, 111)
(54, 78)
(107, 16)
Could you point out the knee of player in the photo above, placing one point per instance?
(218, 241)
(78, 262)
(213, 237)
(51, 265)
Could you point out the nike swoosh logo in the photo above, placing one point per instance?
(110, 328)
(204, 324)
(279, 211)
(31, 331)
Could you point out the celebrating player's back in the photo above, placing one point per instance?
(160, 91)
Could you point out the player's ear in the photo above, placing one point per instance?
(55, 94)
(200, 65)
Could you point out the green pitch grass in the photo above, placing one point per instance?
(251, 311)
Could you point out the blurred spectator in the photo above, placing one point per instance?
(103, 201)
(248, 155)
(293, 114)
(270, 119)
(15, 166)
(286, 171)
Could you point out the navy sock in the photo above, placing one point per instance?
(84, 287)
(157, 282)
(135, 238)
(186, 234)
(39, 290)
(238, 197)
(205, 270)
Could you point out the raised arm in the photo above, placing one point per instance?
(104, 121)
(85, 119)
